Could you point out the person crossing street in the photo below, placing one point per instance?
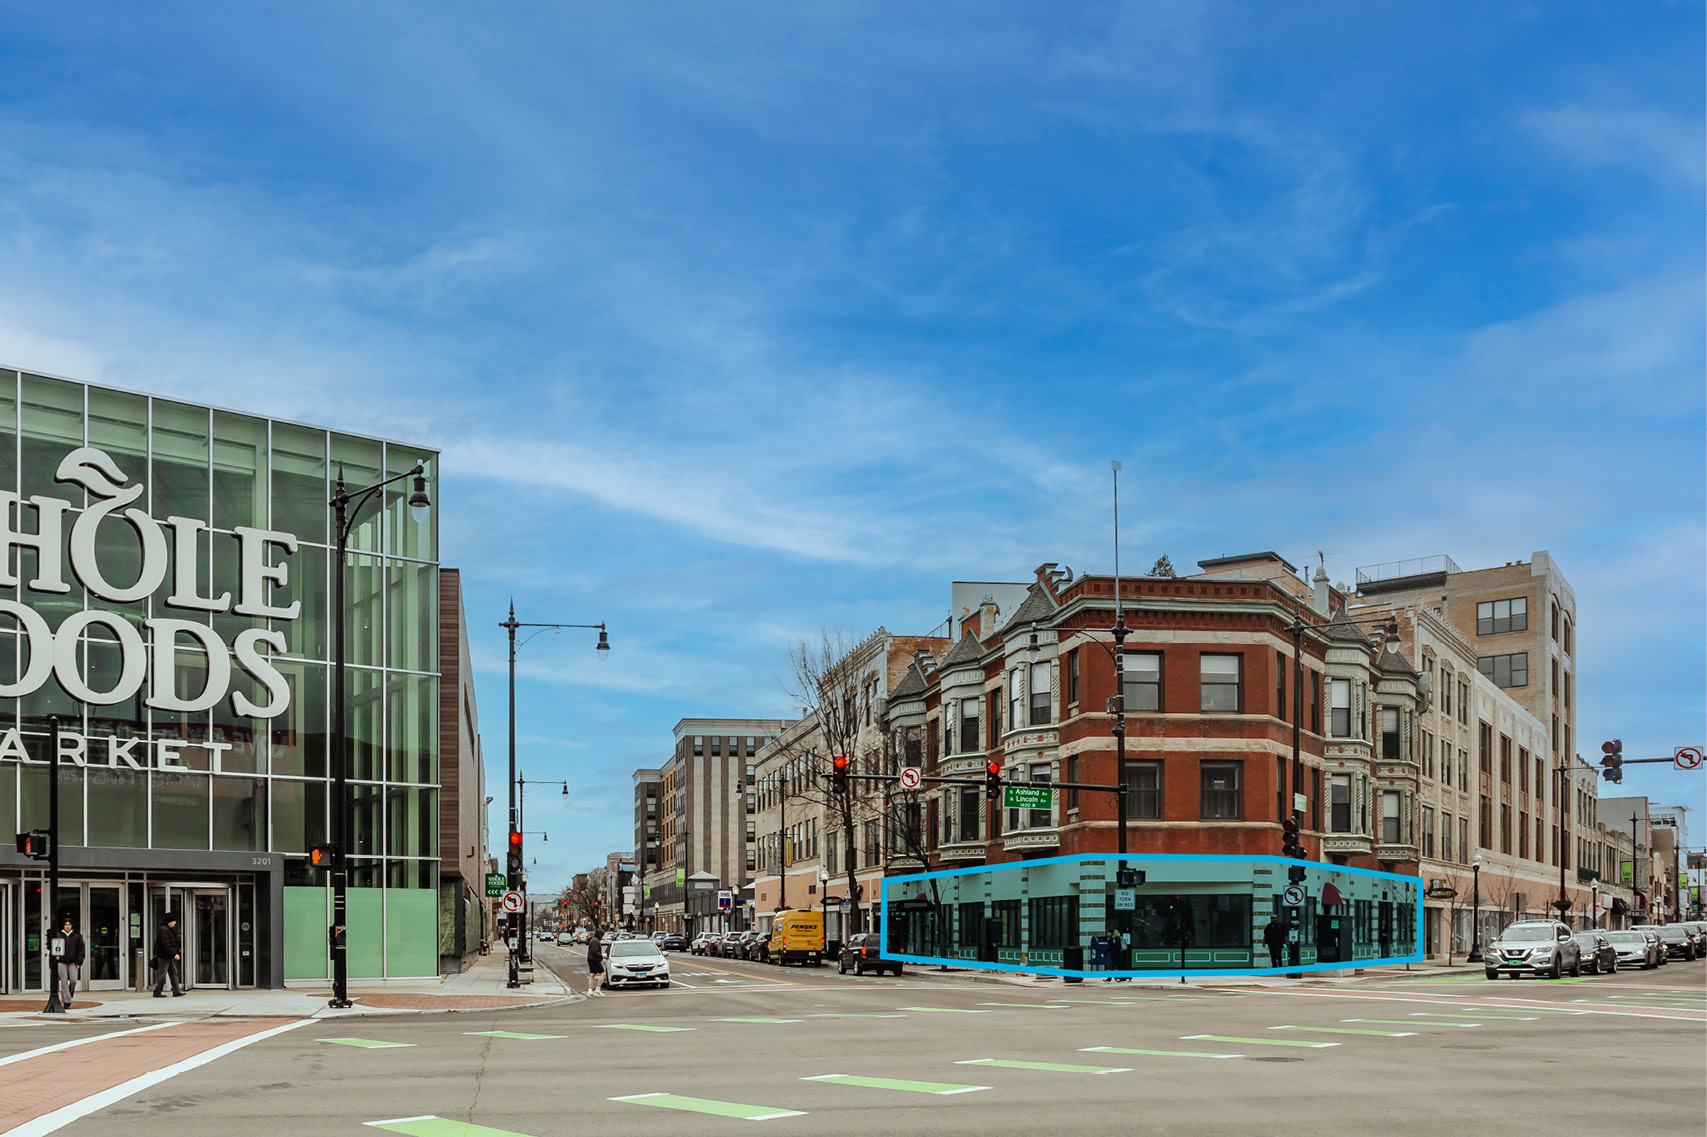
(68, 961)
(168, 955)
(595, 965)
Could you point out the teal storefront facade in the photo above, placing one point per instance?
(165, 583)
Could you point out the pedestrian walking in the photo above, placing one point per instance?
(1274, 938)
(1117, 944)
(595, 965)
(168, 955)
(67, 961)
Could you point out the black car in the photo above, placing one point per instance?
(756, 946)
(673, 941)
(1674, 938)
(863, 953)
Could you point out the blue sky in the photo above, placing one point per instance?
(738, 320)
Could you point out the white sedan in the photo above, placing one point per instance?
(630, 963)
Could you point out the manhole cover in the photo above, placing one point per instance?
(1266, 1059)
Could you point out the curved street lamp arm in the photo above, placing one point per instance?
(352, 500)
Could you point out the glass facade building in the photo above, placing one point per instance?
(166, 582)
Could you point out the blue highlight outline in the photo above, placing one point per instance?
(1154, 973)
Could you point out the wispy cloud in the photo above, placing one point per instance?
(1666, 147)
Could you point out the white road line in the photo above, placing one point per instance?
(10, 1058)
(77, 1110)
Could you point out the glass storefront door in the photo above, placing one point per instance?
(209, 943)
(102, 926)
(8, 937)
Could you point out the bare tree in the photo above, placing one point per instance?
(587, 892)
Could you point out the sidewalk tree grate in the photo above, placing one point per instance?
(708, 1105)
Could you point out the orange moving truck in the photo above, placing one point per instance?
(797, 937)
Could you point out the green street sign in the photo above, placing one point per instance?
(681, 876)
(1027, 797)
(495, 882)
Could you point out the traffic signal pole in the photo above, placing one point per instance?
(54, 1007)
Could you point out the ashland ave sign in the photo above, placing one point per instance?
(54, 653)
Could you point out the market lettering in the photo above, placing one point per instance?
(169, 547)
(119, 753)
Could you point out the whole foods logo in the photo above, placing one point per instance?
(166, 547)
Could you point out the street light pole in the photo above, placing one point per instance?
(54, 1006)
(347, 506)
(1475, 955)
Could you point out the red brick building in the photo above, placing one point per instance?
(1209, 700)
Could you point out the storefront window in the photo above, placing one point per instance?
(240, 814)
(363, 719)
(300, 489)
(33, 787)
(52, 428)
(239, 471)
(412, 822)
(8, 430)
(180, 810)
(413, 745)
(412, 608)
(118, 807)
(363, 618)
(299, 815)
(298, 736)
(307, 583)
(359, 459)
(179, 481)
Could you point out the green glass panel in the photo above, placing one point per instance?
(180, 810)
(363, 601)
(103, 664)
(366, 929)
(239, 471)
(246, 736)
(300, 490)
(412, 608)
(363, 721)
(411, 821)
(240, 814)
(8, 430)
(205, 544)
(413, 741)
(359, 459)
(181, 463)
(33, 790)
(366, 804)
(305, 920)
(227, 558)
(118, 807)
(406, 537)
(52, 427)
(8, 674)
(299, 815)
(308, 635)
(297, 745)
(411, 932)
(9, 797)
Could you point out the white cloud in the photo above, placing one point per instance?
(1665, 147)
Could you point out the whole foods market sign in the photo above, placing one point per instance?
(168, 547)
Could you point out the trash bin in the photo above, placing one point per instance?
(1073, 959)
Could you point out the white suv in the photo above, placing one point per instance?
(1533, 947)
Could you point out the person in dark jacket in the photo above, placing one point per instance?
(167, 956)
(1274, 938)
(68, 962)
(595, 965)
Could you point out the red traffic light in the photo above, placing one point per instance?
(994, 769)
(1608, 747)
(515, 840)
(840, 763)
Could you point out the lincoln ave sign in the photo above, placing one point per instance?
(155, 549)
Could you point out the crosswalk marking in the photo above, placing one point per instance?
(428, 1125)
(640, 1026)
(858, 1015)
(1109, 1002)
(510, 1034)
(1157, 1053)
(711, 1106)
(1256, 1041)
(1039, 1006)
(1348, 1030)
(894, 1084)
(948, 1010)
(1053, 1067)
(753, 1019)
(1407, 1022)
(364, 1043)
(1478, 1015)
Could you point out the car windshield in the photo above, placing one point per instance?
(1520, 933)
(629, 949)
(1627, 937)
(1670, 933)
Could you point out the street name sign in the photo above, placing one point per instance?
(512, 902)
(1027, 797)
(1299, 803)
(911, 777)
(495, 884)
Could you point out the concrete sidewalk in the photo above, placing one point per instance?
(480, 987)
(1337, 976)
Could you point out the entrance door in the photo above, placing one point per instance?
(209, 946)
(102, 938)
(8, 937)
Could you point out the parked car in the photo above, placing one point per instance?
(797, 937)
(746, 942)
(729, 947)
(1598, 954)
(636, 962)
(701, 943)
(1636, 949)
(863, 953)
(1533, 947)
(1678, 941)
(673, 941)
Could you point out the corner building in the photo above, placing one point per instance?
(165, 574)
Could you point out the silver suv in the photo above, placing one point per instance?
(1533, 947)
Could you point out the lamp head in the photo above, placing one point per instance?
(419, 503)
(604, 645)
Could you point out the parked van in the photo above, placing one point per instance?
(797, 937)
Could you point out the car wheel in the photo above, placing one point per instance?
(1612, 969)
(859, 969)
(664, 984)
(842, 967)
(1493, 975)
(897, 973)
(1558, 969)
(1577, 968)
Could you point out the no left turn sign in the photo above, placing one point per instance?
(910, 777)
(512, 901)
(1294, 896)
(1687, 758)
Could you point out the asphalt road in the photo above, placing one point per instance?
(808, 1051)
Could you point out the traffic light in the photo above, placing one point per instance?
(1612, 762)
(993, 780)
(839, 774)
(320, 856)
(515, 858)
(1128, 878)
(1291, 845)
(34, 844)
(1295, 874)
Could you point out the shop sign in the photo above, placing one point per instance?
(170, 546)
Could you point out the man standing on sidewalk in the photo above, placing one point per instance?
(167, 956)
(67, 962)
(595, 965)
(1274, 938)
